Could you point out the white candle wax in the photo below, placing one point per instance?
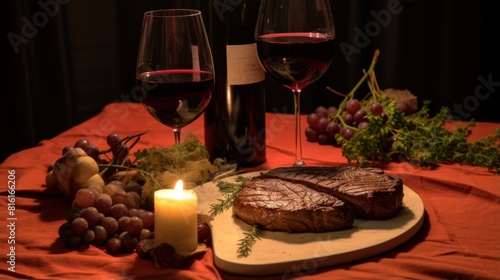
(176, 219)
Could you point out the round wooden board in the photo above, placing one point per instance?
(288, 253)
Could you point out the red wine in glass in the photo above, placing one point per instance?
(295, 45)
(176, 97)
(175, 67)
(295, 60)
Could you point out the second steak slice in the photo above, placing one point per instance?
(372, 193)
(279, 205)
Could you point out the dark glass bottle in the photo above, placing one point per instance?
(235, 117)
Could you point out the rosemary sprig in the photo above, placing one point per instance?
(232, 188)
(229, 191)
(252, 234)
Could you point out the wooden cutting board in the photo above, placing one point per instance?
(291, 253)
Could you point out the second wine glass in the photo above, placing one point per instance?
(174, 67)
(295, 44)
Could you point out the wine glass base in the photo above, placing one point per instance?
(299, 163)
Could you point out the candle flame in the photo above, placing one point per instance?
(179, 186)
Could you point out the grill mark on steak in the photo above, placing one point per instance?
(280, 205)
(372, 193)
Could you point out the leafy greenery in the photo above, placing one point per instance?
(176, 156)
(188, 161)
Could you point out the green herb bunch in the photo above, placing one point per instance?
(415, 137)
(188, 161)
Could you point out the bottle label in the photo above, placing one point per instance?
(243, 65)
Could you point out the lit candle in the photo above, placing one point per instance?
(176, 219)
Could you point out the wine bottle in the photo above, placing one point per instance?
(235, 117)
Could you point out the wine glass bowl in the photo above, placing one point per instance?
(174, 70)
(295, 44)
(295, 60)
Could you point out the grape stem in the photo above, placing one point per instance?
(114, 159)
(127, 168)
(125, 140)
(336, 92)
(373, 85)
(350, 95)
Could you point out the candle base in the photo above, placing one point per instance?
(164, 256)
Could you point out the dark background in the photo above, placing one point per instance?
(80, 55)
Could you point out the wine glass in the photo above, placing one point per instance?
(295, 44)
(174, 67)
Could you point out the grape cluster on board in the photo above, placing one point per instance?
(111, 217)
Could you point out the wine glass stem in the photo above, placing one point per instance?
(298, 131)
(177, 135)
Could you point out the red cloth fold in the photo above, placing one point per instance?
(458, 240)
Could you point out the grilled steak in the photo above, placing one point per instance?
(372, 193)
(279, 205)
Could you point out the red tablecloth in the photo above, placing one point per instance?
(460, 237)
